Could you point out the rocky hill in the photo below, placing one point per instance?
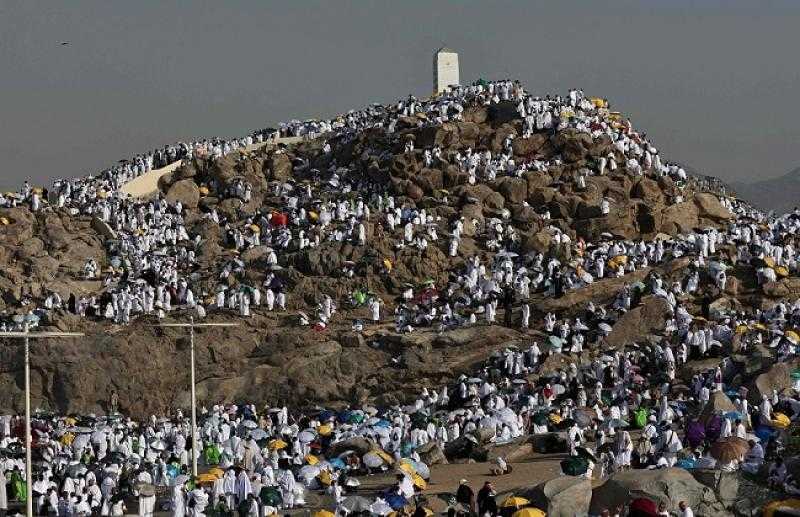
(777, 194)
(269, 357)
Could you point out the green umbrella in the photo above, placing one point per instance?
(575, 466)
(541, 418)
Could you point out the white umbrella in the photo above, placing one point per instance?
(309, 472)
(507, 416)
(488, 422)
(372, 460)
(380, 507)
(80, 441)
(307, 436)
(258, 434)
(382, 431)
(249, 424)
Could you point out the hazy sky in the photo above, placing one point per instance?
(714, 83)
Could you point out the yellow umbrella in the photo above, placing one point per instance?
(384, 456)
(204, 191)
(759, 326)
(529, 512)
(67, 439)
(741, 329)
(514, 502)
(792, 336)
(276, 445)
(206, 479)
(407, 468)
(769, 261)
(322, 513)
(555, 418)
(311, 459)
(325, 478)
(216, 472)
(325, 430)
(781, 271)
(781, 421)
(419, 482)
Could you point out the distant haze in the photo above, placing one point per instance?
(714, 83)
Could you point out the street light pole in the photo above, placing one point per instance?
(194, 397)
(26, 335)
(28, 460)
(191, 326)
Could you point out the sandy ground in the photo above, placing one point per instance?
(445, 478)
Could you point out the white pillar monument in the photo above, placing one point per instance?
(445, 69)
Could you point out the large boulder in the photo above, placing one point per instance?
(717, 403)
(679, 218)
(19, 228)
(669, 486)
(710, 207)
(783, 288)
(648, 190)
(777, 378)
(280, 167)
(648, 318)
(514, 190)
(103, 228)
(185, 191)
(357, 444)
(565, 496)
(432, 454)
(726, 485)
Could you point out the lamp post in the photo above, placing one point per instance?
(26, 336)
(191, 326)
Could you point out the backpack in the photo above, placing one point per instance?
(640, 418)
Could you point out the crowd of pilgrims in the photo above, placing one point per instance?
(259, 461)
(151, 261)
(268, 458)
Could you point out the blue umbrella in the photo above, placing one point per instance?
(764, 433)
(383, 423)
(337, 463)
(396, 501)
(733, 415)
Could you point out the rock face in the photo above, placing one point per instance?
(565, 496)
(670, 486)
(185, 191)
(648, 318)
(268, 359)
(777, 378)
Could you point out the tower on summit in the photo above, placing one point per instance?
(445, 69)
